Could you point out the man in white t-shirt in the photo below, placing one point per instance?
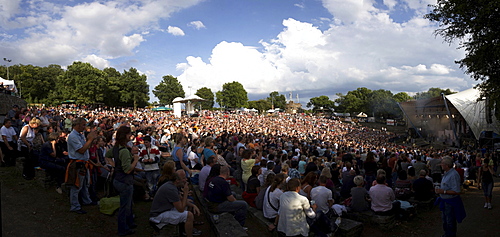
(322, 196)
(8, 142)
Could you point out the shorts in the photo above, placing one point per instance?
(172, 217)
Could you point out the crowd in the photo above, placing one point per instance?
(280, 162)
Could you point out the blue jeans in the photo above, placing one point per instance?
(237, 208)
(125, 217)
(449, 221)
(152, 179)
(487, 189)
(82, 189)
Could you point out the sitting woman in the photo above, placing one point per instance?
(402, 187)
(50, 162)
(253, 186)
(360, 198)
(307, 184)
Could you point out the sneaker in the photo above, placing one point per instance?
(485, 205)
(80, 211)
(489, 206)
(59, 190)
(196, 232)
(245, 228)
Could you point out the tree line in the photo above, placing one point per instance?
(88, 85)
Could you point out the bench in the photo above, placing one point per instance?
(349, 228)
(167, 230)
(226, 225)
(385, 223)
(259, 215)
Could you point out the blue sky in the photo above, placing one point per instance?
(310, 48)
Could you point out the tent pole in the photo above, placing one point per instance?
(408, 117)
(451, 118)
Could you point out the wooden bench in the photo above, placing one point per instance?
(349, 228)
(226, 225)
(385, 223)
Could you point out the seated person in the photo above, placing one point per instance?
(347, 183)
(423, 188)
(322, 196)
(383, 198)
(360, 198)
(293, 210)
(253, 186)
(221, 199)
(169, 206)
(49, 161)
(402, 187)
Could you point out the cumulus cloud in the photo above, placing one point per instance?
(175, 31)
(96, 61)
(196, 24)
(55, 33)
(363, 47)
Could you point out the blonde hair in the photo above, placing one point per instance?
(326, 172)
(35, 121)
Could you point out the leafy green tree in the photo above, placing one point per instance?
(134, 89)
(83, 83)
(37, 82)
(112, 95)
(475, 23)
(354, 101)
(401, 97)
(432, 92)
(277, 100)
(232, 95)
(382, 104)
(207, 94)
(168, 89)
(320, 102)
(260, 105)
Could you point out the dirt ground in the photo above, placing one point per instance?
(30, 209)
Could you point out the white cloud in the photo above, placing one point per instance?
(363, 47)
(197, 24)
(96, 61)
(60, 34)
(175, 31)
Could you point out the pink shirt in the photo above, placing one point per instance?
(382, 197)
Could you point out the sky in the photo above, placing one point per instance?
(305, 47)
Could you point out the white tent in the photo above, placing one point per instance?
(474, 112)
(9, 83)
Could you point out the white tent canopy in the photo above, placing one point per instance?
(473, 111)
(9, 83)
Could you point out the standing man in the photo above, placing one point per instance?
(449, 200)
(77, 174)
(435, 168)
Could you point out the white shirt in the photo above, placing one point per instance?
(274, 198)
(321, 195)
(293, 211)
(8, 132)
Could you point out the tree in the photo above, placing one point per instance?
(83, 83)
(476, 24)
(277, 100)
(112, 95)
(260, 105)
(168, 89)
(382, 104)
(320, 102)
(134, 90)
(208, 95)
(401, 97)
(354, 101)
(432, 92)
(232, 95)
